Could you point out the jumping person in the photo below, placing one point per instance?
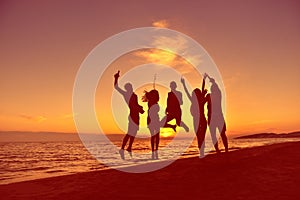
(173, 110)
(133, 119)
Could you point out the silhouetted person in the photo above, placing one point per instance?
(198, 100)
(133, 118)
(153, 121)
(173, 110)
(215, 115)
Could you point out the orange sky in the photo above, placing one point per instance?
(255, 44)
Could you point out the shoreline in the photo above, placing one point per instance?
(119, 167)
(135, 164)
(266, 172)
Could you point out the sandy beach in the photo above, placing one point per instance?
(267, 172)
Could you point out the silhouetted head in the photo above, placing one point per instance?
(173, 85)
(151, 97)
(196, 94)
(212, 80)
(128, 87)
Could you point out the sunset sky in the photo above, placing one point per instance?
(255, 44)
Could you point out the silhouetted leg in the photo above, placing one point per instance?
(164, 123)
(170, 126)
(131, 139)
(201, 150)
(152, 142)
(224, 138)
(214, 138)
(166, 119)
(152, 146)
(156, 145)
(121, 151)
(203, 129)
(198, 140)
(196, 124)
(201, 143)
(157, 141)
(183, 125)
(125, 139)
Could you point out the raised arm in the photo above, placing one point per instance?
(209, 108)
(180, 98)
(186, 90)
(203, 84)
(116, 85)
(203, 90)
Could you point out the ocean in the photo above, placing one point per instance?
(22, 161)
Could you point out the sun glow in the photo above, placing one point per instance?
(166, 132)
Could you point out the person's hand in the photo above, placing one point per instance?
(117, 75)
(205, 75)
(182, 80)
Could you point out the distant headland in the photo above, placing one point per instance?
(271, 135)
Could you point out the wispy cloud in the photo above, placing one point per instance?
(166, 50)
(157, 56)
(161, 23)
(33, 118)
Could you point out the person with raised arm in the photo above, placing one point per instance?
(215, 115)
(134, 110)
(198, 100)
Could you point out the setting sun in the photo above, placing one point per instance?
(166, 132)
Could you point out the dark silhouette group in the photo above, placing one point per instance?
(199, 98)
